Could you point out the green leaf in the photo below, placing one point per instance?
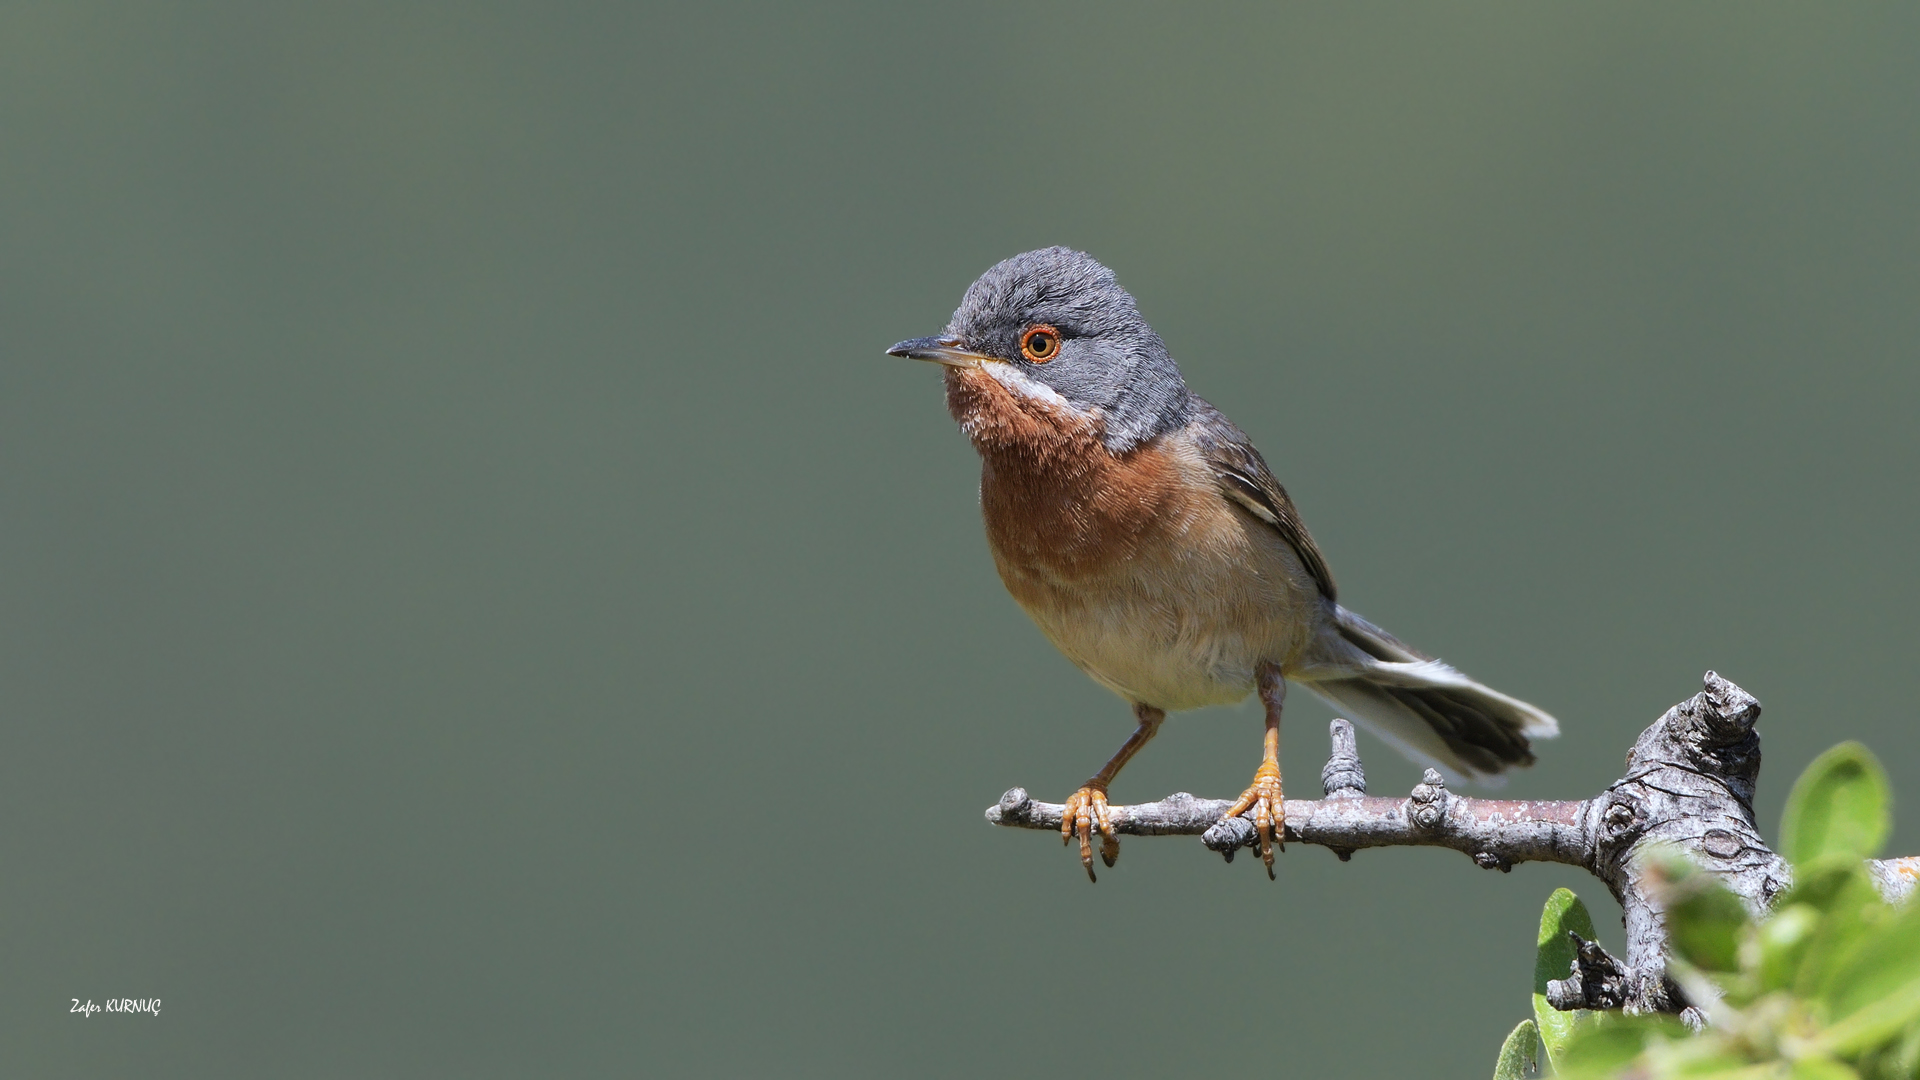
(1705, 1057)
(1821, 1068)
(1604, 1046)
(1886, 961)
(1875, 1025)
(1851, 911)
(1520, 1054)
(1833, 884)
(1554, 960)
(1784, 939)
(1602, 1049)
(1704, 920)
(1840, 805)
(1904, 1059)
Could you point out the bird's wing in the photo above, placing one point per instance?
(1243, 476)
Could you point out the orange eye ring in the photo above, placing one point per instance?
(1040, 343)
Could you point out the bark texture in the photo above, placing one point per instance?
(1689, 783)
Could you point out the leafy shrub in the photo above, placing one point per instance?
(1825, 987)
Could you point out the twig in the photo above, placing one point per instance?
(1689, 783)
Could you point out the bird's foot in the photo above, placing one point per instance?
(1266, 807)
(1086, 814)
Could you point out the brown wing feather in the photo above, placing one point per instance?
(1243, 476)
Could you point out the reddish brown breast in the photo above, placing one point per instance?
(1058, 504)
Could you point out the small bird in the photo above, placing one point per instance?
(1146, 536)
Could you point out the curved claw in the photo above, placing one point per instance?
(1084, 814)
(1265, 804)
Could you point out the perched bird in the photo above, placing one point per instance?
(1145, 535)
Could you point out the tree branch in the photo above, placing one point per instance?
(1689, 783)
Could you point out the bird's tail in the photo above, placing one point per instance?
(1423, 707)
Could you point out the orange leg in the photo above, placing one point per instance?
(1264, 802)
(1086, 810)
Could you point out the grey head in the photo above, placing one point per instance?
(1102, 357)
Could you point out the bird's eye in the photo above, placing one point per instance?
(1040, 343)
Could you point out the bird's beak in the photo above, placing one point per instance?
(940, 350)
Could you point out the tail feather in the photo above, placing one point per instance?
(1425, 708)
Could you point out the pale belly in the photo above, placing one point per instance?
(1191, 631)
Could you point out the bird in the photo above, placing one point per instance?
(1149, 541)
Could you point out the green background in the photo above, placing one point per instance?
(475, 600)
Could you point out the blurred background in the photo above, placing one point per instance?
(476, 600)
